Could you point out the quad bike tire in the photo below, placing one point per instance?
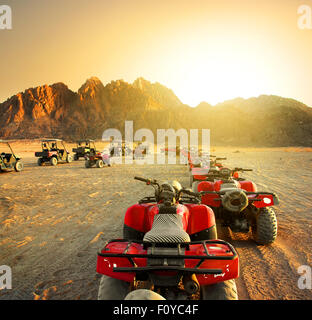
(220, 291)
(265, 228)
(87, 164)
(69, 159)
(53, 161)
(144, 294)
(112, 289)
(18, 166)
(99, 163)
(40, 162)
(76, 157)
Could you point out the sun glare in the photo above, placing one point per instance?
(215, 76)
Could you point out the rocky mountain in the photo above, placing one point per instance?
(158, 92)
(39, 112)
(262, 121)
(56, 111)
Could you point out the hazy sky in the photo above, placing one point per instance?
(202, 49)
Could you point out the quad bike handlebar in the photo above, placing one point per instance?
(242, 170)
(147, 181)
(169, 192)
(227, 173)
(188, 192)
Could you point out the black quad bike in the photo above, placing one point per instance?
(52, 153)
(170, 251)
(9, 160)
(84, 148)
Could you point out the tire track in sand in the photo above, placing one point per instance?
(267, 272)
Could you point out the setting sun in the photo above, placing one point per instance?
(203, 50)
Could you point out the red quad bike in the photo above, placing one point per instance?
(238, 205)
(97, 159)
(203, 170)
(170, 251)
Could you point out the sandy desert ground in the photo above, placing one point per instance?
(53, 220)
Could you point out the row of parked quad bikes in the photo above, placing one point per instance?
(170, 247)
(54, 151)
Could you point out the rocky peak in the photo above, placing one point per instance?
(203, 106)
(158, 92)
(91, 88)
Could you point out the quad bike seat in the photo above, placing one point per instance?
(230, 186)
(167, 228)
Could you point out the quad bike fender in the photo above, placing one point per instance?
(211, 200)
(184, 211)
(206, 186)
(201, 218)
(199, 177)
(248, 186)
(267, 200)
(140, 216)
